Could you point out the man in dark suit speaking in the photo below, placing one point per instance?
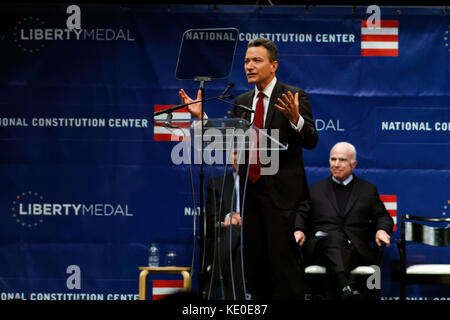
(272, 268)
(344, 216)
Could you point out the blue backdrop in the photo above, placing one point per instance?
(86, 179)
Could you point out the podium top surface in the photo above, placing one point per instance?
(220, 134)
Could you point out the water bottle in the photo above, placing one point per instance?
(153, 257)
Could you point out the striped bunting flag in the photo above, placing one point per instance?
(382, 41)
(163, 288)
(181, 120)
(390, 202)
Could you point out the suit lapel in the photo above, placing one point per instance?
(353, 195)
(276, 93)
(249, 103)
(329, 194)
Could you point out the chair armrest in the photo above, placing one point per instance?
(402, 253)
(400, 248)
(379, 253)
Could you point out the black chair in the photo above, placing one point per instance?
(418, 229)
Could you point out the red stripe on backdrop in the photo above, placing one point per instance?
(378, 37)
(379, 52)
(168, 283)
(159, 107)
(388, 197)
(166, 137)
(182, 124)
(383, 23)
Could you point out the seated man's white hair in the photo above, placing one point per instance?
(350, 146)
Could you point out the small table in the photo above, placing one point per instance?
(184, 271)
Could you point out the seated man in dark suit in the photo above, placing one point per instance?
(223, 236)
(344, 215)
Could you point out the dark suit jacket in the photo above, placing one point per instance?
(218, 204)
(288, 186)
(364, 215)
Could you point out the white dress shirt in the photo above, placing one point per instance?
(345, 182)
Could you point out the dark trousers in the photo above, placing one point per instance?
(339, 257)
(271, 256)
(226, 280)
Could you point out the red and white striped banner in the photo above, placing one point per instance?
(163, 288)
(390, 202)
(382, 41)
(180, 120)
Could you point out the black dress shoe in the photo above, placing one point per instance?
(349, 294)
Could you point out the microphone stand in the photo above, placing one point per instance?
(202, 219)
(234, 104)
(180, 106)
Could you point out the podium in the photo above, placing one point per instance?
(212, 143)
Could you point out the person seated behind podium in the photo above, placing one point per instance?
(226, 210)
(345, 214)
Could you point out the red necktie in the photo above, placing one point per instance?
(255, 168)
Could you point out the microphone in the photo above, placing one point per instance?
(168, 110)
(168, 119)
(229, 86)
(236, 104)
(222, 96)
(228, 96)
